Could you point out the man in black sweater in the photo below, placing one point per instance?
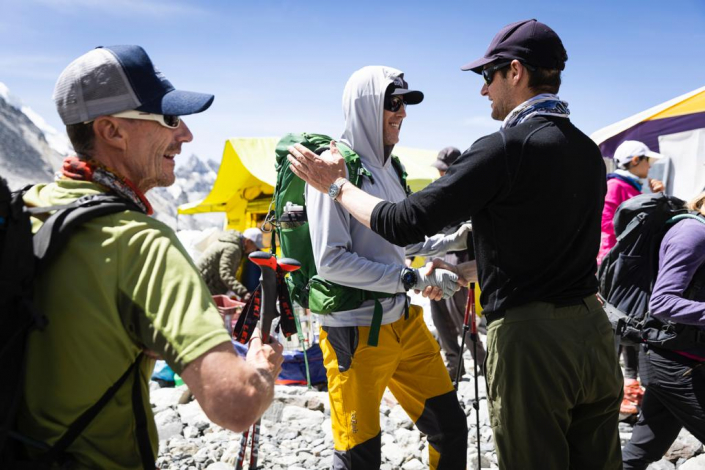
(535, 192)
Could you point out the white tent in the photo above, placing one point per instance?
(675, 129)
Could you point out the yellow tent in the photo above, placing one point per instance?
(246, 178)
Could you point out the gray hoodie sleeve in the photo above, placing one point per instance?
(330, 228)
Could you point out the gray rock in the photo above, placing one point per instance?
(168, 424)
(274, 412)
(218, 466)
(413, 464)
(399, 416)
(167, 396)
(191, 432)
(394, 454)
(407, 437)
(316, 403)
(685, 446)
(662, 464)
(193, 415)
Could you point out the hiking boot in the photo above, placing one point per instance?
(633, 391)
(627, 409)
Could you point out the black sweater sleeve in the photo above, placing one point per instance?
(478, 177)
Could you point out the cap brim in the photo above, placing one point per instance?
(477, 65)
(179, 103)
(439, 165)
(651, 154)
(410, 96)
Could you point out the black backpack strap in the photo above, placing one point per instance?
(57, 229)
(143, 441)
(56, 453)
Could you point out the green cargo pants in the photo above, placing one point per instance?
(554, 387)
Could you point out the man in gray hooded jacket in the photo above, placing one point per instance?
(406, 359)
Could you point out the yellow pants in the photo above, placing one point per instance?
(408, 361)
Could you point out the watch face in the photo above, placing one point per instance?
(333, 191)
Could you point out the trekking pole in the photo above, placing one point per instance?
(475, 338)
(466, 327)
(290, 265)
(268, 280)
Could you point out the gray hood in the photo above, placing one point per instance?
(363, 109)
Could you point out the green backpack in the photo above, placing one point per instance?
(307, 288)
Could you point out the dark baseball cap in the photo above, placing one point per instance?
(529, 41)
(445, 158)
(401, 88)
(109, 80)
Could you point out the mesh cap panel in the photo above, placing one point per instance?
(91, 86)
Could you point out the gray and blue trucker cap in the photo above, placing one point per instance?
(109, 80)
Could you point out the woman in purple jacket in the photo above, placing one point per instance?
(674, 380)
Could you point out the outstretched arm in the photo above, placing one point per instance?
(322, 171)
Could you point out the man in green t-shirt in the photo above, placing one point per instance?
(124, 285)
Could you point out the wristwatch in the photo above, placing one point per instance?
(408, 278)
(335, 188)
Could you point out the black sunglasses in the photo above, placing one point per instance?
(394, 103)
(488, 73)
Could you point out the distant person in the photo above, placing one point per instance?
(674, 379)
(220, 262)
(448, 314)
(633, 160)
(534, 191)
(123, 290)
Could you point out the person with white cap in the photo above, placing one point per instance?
(221, 261)
(535, 191)
(633, 160)
(123, 289)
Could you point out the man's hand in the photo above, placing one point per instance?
(467, 272)
(265, 357)
(318, 171)
(437, 283)
(656, 185)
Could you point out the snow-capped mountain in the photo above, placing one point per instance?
(31, 151)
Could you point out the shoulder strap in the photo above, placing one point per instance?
(57, 229)
(356, 170)
(401, 172)
(679, 217)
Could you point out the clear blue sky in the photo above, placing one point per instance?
(279, 66)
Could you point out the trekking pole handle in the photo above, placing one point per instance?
(468, 306)
(289, 265)
(268, 279)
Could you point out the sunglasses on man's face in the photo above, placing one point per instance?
(394, 103)
(488, 73)
(166, 120)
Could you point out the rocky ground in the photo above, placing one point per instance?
(296, 435)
